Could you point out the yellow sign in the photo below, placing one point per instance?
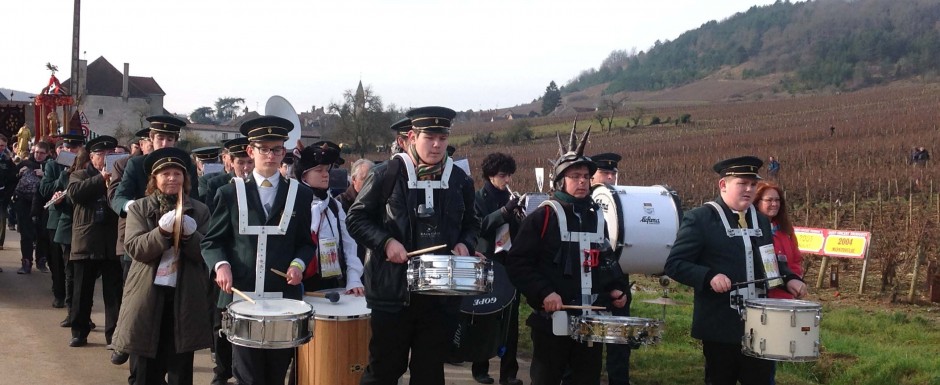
(845, 245)
(811, 241)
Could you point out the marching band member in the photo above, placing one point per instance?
(710, 253)
(163, 318)
(336, 263)
(240, 165)
(618, 355)
(94, 235)
(233, 255)
(202, 156)
(387, 219)
(548, 270)
(497, 207)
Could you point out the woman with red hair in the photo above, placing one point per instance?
(770, 202)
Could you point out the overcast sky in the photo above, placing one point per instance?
(478, 54)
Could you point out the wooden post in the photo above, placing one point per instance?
(910, 293)
(854, 205)
(861, 283)
(822, 271)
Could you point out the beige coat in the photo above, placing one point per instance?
(138, 328)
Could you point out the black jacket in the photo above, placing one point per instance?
(376, 218)
(539, 265)
(491, 219)
(8, 179)
(703, 250)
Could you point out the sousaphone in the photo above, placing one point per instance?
(280, 107)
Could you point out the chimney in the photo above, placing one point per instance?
(124, 94)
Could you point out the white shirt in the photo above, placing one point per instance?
(323, 222)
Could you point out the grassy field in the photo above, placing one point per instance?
(863, 343)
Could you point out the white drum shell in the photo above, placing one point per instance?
(642, 222)
(781, 329)
(449, 275)
(269, 323)
(615, 329)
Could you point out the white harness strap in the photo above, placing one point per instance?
(584, 241)
(745, 235)
(263, 231)
(427, 185)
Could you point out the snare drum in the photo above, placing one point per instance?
(484, 320)
(450, 275)
(781, 329)
(340, 352)
(273, 323)
(642, 222)
(610, 329)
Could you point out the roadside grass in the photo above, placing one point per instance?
(875, 344)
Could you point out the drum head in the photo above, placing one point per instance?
(489, 303)
(781, 304)
(348, 306)
(270, 307)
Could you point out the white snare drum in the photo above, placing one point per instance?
(449, 275)
(615, 329)
(781, 329)
(275, 323)
(642, 222)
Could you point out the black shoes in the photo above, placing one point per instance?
(78, 342)
(119, 358)
(484, 379)
(511, 381)
(58, 303)
(66, 324)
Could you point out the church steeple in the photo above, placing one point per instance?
(360, 98)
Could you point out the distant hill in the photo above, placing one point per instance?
(786, 47)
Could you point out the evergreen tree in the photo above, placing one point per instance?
(551, 99)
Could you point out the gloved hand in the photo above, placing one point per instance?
(509, 209)
(189, 225)
(166, 221)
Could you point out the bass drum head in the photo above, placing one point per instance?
(502, 295)
(642, 222)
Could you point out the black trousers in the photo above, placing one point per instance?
(176, 368)
(725, 365)
(260, 366)
(56, 266)
(69, 275)
(618, 356)
(551, 354)
(86, 273)
(424, 328)
(27, 230)
(508, 364)
(223, 348)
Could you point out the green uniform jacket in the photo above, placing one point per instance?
(48, 185)
(213, 185)
(703, 250)
(224, 243)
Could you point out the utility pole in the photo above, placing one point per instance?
(74, 91)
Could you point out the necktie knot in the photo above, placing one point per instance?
(741, 221)
(266, 183)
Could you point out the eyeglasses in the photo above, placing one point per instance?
(277, 151)
(578, 176)
(771, 200)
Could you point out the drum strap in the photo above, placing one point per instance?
(427, 185)
(745, 234)
(262, 231)
(584, 241)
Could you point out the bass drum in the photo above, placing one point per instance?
(484, 320)
(642, 222)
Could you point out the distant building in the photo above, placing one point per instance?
(114, 102)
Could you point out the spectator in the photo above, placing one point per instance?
(30, 173)
(773, 167)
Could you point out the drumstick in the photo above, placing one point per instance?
(332, 295)
(278, 272)
(243, 295)
(425, 250)
(579, 307)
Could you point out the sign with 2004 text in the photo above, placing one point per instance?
(833, 243)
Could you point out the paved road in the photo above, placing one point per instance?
(34, 349)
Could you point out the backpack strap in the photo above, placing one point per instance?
(545, 223)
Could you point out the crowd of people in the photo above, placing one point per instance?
(167, 237)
